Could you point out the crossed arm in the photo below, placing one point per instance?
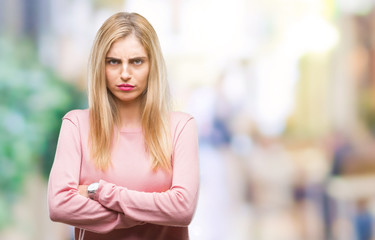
(118, 207)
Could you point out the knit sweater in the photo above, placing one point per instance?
(133, 201)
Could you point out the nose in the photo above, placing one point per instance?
(125, 73)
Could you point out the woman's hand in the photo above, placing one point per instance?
(82, 189)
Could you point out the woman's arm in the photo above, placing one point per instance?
(174, 207)
(66, 205)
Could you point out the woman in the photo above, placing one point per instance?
(127, 167)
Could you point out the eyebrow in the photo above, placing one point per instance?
(130, 59)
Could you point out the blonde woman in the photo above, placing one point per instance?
(127, 167)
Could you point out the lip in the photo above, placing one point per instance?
(125, 87)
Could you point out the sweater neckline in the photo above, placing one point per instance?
(130, 130)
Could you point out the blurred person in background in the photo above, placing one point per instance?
(127, 167)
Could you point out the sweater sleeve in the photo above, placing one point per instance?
(174, 207)
(66, 205)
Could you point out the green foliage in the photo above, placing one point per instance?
(367, 108)
(33, 100)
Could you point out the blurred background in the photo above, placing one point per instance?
(283, 92)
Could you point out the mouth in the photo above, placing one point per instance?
(125, 87)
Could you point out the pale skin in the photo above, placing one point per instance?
(126, 62)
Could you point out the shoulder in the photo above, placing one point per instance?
(77, 116)
(179, 120)
(180, 117)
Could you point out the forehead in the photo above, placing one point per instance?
(128, 46)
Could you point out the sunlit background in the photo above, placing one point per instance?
(283, 92)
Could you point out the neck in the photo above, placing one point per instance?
(130, 114)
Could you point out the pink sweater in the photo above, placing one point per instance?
(133, 201)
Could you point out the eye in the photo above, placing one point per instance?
(113, 61)
(137, 61)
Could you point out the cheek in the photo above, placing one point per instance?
(146, 75)
(145, 80)
(109, 75)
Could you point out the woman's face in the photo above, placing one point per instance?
(126, 69)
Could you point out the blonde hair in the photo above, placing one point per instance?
(104, 116)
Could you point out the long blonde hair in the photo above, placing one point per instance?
(104, 116)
